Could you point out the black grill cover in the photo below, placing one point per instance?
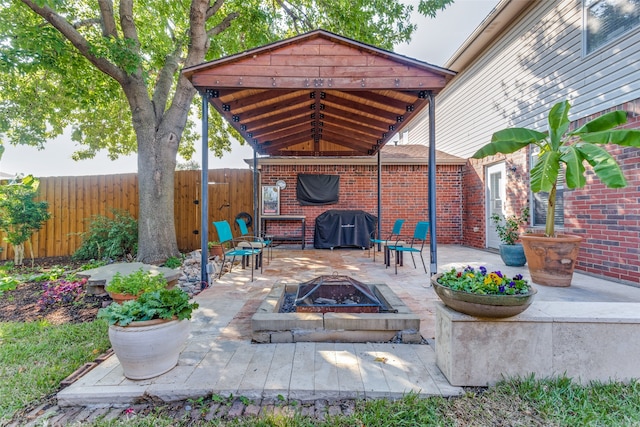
(343, 228)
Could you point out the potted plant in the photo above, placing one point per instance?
(215, 249)
(122, 288)
(551, 257)
(147, 334)
(480, 293)
(508, 229)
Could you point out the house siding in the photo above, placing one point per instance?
(533, 64)
(404, 195)
(536, 62)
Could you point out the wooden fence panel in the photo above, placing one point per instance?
(74, 200)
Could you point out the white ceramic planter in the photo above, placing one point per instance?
(148, 349)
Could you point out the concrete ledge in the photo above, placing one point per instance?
(584, 341)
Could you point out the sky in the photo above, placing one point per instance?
(434, 41)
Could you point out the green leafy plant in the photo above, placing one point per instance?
(92, 263)
(8, 283)
(480, 281)
(54, 273)
(136, 283)
(508, 228)
(173, 262)
(109, 238)
(569, 149)
(162, 304)
(21, 215)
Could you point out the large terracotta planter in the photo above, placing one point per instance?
(120, 298)
(148, 349)
(551, 260)
(513, 255)
(495, 306)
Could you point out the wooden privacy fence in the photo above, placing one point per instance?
(73, 200)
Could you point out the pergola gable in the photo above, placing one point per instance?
(318, 94)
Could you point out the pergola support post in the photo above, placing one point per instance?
(204, 193)
(379, 199)
(433, 247)
(256, 222)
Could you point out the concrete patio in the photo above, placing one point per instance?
(219, 357)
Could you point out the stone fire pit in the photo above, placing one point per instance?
(318, 323)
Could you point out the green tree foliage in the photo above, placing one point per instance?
(20, 214)
(110, 72)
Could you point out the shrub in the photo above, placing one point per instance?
(173, 262)
(109, 238)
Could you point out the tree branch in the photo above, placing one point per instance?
(86, 23)
(77, 40)
(226, 23)
(108, 20)
(213, 9)
(165, 81)
(295, 17)
(126, 21)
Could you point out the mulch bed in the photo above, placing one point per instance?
(21, 304)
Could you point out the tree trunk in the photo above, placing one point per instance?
(157, 149)
(156, 227)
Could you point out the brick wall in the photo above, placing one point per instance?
(608, 219)
(404, 195)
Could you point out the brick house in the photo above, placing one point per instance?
(522, 59)
(401, 197)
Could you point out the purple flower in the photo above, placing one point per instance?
(501, 289)
(499, 274)
(518, 277)
(483, 270)
(512, 284)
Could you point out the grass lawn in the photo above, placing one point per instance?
(36, 356)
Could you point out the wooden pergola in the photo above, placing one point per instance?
(318, 94)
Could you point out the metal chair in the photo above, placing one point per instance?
(247, 240)
(392, 239)
(226, 238)
(419, 237)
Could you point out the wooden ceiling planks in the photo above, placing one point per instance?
(317, 94)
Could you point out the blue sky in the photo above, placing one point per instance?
(434, 42)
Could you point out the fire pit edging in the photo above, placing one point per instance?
(270, 326)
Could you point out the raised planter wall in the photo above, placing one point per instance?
(586, 341)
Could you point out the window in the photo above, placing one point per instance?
(606, 20)
(539, 200)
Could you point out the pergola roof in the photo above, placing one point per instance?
(318, 94)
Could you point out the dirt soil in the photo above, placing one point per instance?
(21, 304)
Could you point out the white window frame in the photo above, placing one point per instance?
(586, 4)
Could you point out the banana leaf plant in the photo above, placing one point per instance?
(560, 147)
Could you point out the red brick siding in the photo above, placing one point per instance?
(608, 219)
(404, 195)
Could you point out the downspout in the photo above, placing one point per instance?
(433, 247)
(204, 193)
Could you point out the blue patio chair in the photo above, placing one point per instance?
(419, 238)
(247, 240)
(384, 243)
(226, 238)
